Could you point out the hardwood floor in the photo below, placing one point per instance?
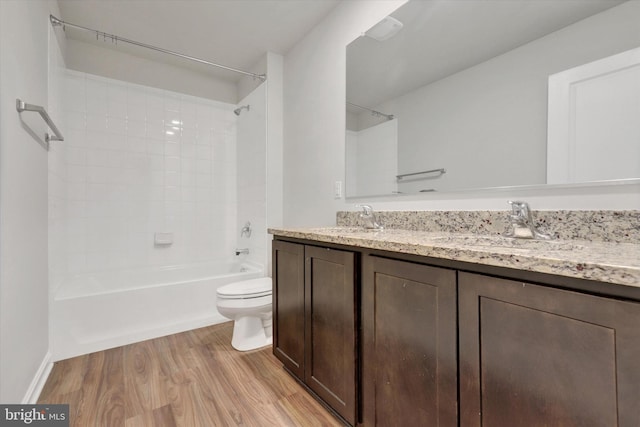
(190, 379)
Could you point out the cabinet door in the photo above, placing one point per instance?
(331, 328)
(537, 356)
(409, 362)
(288, 305)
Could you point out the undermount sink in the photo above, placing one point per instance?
(509, 242)
(346, 230)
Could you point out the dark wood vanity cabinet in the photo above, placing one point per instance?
(315, 321)
(398, 342)
(288, 305)
(533, 355)
(409, 359)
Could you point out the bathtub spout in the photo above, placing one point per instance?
(242, 251)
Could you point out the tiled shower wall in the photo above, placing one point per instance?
(140, 160)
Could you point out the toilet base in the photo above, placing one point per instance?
(251, 333)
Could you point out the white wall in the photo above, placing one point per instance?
(24, 341)
(251, 149)
(120, 65)
(275, 207)
(315, 138)
(314, 111)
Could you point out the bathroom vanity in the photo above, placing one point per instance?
(444, 329)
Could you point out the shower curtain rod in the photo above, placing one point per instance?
(58, 22)
(373, 112)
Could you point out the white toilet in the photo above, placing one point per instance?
(248, 304)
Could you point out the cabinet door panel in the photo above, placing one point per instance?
(409, 350)
(330, 328)
(288, 305)
(532, 355)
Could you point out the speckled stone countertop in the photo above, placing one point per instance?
(608, 262)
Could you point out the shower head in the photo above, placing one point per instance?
(238, 110)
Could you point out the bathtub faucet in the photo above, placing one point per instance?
(242, 251)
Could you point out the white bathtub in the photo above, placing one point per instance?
(99, 311)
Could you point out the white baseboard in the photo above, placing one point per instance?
(39, 380)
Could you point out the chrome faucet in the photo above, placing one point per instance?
(370, 218)
(521, 223)
(242, 251)
(246, 230)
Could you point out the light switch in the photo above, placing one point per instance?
(337, 190)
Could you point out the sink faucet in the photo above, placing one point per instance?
(242, 251)
(370, 218)
(522, 225)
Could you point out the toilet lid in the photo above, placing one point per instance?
(246, 289)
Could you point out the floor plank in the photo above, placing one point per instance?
(190, 379)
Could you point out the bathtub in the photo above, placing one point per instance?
(98, 311)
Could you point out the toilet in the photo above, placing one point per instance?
(248, 304)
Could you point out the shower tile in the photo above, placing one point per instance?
(189, 119)
(190, 134)
(187, 179)
(76, 209)
(136, 128)
(75, 121)
(155, 146)
(117, 109)
(138, 180)
(76, 191)
(172, 102)
(188, 166)
(76, 155)
(172, 194)
(188, 194)
(171, 148)
(156, 163)
(172, 134)
(136, 96)
(156, 193)
(117, 125)
(172, 207)
(136, 145)
(203, 166)
(75, 94)
(172, 178)
(97, 157)
(172, 163)
(156, 177)
(187, 149)
(76, 173)
(203, 152)
(155, 128)
(96, 122)
(116, 93)
(97, 140)
(203, 181)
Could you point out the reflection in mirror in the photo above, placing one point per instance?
(468, 85)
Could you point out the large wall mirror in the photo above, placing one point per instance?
(447, 95)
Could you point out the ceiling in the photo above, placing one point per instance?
(235, 33)
(442, 37)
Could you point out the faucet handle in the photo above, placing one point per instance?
(366, 210)
(520, 209)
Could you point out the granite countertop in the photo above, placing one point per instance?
(617, 263)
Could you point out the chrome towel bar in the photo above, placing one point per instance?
(23, 106)
(439, 171)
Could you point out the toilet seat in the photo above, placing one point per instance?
(247, 289)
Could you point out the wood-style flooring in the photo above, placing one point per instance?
(190, 379)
